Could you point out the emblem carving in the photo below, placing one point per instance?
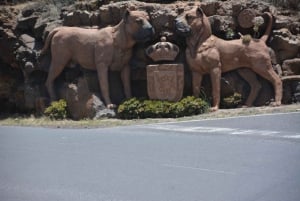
(163, 51)
(165, 81)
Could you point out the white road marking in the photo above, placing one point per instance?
(221, 130)
(233, 117)
(200, 169)
(292, 136)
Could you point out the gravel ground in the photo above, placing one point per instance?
(87, 123)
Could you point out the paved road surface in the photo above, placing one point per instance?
(237, 159)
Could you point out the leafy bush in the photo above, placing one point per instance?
(139, 108)
(231, 101)
(57, 110)
(189, 106)
(155, 108)
(130, 109)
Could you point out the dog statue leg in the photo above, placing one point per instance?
(102, 71)
(197, 79)
(55, 70)
(215, 76)
(250, 77)
(50, 88)
(277, 84)
(270, 75)
(125, 76)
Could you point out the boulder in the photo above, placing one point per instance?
(162, 19)
(26, 24)
(34, 16)
(297, 92)
(82, 103)
(77, 18)
(24, 55)
(28, 10)
(210, 8)
(31, 93)
(84, 17)
(222, 24)
(8, 17)
(95, 19)
(282, 22)
(28, 41)
(47, 15)
(71, 19)
(7, 84)
(105, 16)
(39, 28)
(291, 67)
(285, 44)
(49, 27)
(8, 44)
(295, 27)
(116, 12)
(257, 6)
(291, 91)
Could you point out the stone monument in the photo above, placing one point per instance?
(165, 80)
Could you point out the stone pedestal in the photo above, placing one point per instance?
(165, 81)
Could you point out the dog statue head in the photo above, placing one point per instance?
(192, 22)
(138, 25)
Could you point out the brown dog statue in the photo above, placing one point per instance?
(103, 50)
(207, 54)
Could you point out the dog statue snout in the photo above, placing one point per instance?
(145, 33)
(182, 28)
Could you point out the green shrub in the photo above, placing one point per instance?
(189, 106)
(139, 108)
(57, 110)
(130, 109)
(231, 101)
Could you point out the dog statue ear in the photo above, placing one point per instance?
(126, 14)
(199, 11)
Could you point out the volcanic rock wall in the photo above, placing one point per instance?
(24, 27)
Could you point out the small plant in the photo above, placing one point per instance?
(156, 108)
(189, 106)
(138, 108)
(257, 21)
(231, 101)
(229, 33)
(130, 109)
(57, 110)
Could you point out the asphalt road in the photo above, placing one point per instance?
(237, 159)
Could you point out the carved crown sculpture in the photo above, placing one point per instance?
(163, 50)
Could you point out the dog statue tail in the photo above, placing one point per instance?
(269, 27)
(48, 40)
